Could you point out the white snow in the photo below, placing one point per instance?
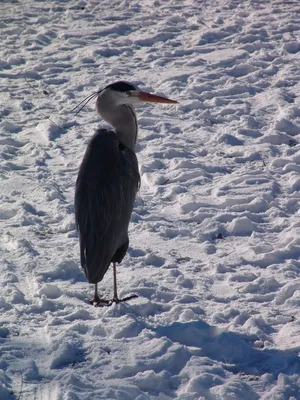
(215, 234)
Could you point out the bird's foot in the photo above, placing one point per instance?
(117, 300)
(97, 302)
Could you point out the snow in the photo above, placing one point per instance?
(214, 250)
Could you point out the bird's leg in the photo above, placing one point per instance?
(96, 301)
(115, 298)
(96, 296)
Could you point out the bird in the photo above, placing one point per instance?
(107, 183)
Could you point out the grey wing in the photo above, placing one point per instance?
(105, 191)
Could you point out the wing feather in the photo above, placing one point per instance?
(106, 187)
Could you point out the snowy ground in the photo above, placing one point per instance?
(215, 233)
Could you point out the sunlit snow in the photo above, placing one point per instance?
(214, 250)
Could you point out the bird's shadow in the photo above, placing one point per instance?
(234, 350)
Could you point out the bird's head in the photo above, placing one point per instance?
(122, 92)
(119, 94)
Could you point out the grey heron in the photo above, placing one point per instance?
(107, 183)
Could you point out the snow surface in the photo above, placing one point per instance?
(215, 233)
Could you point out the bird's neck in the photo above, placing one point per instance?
(125, 125)
(121, 117)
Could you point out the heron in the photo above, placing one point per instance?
(107, 184)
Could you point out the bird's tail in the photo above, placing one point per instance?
(95, 263)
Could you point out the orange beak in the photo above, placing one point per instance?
(153, 98)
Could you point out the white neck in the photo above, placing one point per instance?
(125, 125)
(122, 118)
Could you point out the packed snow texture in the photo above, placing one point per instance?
(214, 250)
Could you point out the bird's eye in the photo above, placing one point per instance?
(128, 93)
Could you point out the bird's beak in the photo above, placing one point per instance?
(153, 98)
